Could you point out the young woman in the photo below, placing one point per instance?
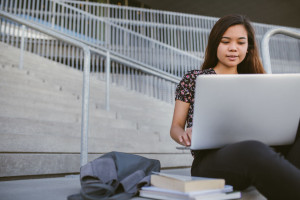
(275, 172)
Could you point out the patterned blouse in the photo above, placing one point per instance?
(185, 91)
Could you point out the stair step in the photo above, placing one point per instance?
(43, 113)
(97, 128)
(71, 144)
(26, 94)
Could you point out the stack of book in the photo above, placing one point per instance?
(178, 187)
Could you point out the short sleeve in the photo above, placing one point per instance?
(183, 91)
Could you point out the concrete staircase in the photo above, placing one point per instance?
(40, 119)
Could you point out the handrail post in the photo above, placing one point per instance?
(108, 45)
(265, 51)
(265, 44)
(85, 107)
(22, 47)
(107, 80)
(53, 14)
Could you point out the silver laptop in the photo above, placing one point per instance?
(233, 108)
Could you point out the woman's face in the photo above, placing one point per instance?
(233, 47)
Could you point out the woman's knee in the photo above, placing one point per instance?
(248, 152)
(250, 146)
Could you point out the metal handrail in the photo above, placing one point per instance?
(162, 56)
(150, 22)
(122, 59)
(164, 23)
(265, 44)
(145, 10)
(125, 30)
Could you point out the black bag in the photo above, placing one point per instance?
(115, 175)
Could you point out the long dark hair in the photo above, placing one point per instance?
(251, 63)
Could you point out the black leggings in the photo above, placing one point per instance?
(275, 175)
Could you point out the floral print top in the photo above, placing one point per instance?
(185, 91)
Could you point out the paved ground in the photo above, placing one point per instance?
(61, 188)
(39, 189)
(49, 188)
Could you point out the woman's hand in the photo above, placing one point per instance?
(186, 138)
(177, 131)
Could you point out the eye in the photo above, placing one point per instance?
(242, 43)
(225, 42)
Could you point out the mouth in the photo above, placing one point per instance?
(232, 57)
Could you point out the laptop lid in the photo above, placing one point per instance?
(233, 108)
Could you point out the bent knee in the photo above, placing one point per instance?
(252, 146)
(249, 151)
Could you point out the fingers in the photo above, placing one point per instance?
(189, 135)
(186, 138)
(189, 132)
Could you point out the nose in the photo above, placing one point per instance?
(232, 47)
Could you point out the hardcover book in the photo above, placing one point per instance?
(185, 183)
